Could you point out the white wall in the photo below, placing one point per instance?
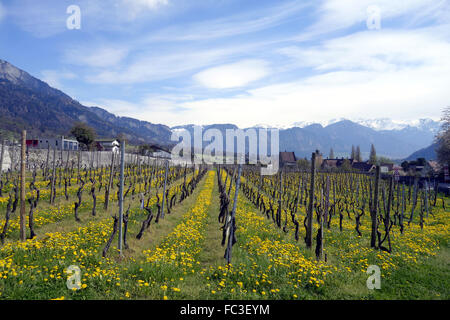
(88, 158)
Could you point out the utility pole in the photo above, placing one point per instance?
(22, 187)
(122, 166)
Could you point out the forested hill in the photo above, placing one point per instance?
(31, 104)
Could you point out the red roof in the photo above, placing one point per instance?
(287, 157)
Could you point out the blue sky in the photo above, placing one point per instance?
(245, 62)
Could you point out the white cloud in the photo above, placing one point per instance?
(384, 50)
(137, 7)
(100, 57)
(145, 4)
(341, 14)
(401, 95)
(400, 75)
(237, 24)
(42, 19)
(54, 78)
(155, 109)
(46, 18)
(153, 66)
(233, 75)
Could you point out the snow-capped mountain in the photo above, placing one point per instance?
(388, 124)
(379, 124)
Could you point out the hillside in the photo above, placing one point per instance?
(31, 104)
(428, 153)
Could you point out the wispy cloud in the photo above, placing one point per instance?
(243, 23)
(97, 57)
(381, 51)
(233, 75)
(55, 78)
(151, 66)
(47, 18)
(42, 19)
(137, 7)
(335, 15)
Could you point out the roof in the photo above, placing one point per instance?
(330, 163)
(336, 163)
(105, 140)
(287, 157)
(363, 166)
(160, 148)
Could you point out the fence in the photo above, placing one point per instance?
(43, 157)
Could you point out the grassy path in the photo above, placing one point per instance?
(158, 231)
(210, 255)
(212, 251)
(166, 269)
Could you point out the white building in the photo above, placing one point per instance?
(53, 143)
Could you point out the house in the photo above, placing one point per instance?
(330, 163)
(53, 143)
(386, 167)
(335, 163)
(288, 159)
(430, 168)
(105, 144)
(363, 166)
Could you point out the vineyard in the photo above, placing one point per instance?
(187, 233)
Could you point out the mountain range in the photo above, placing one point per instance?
(341, 135)
(31, 104)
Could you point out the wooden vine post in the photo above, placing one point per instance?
(164, 190)
(280, 199)
(52, 191)
(110, 181)
(1, 160)
(374, 209)
(122, 167)
(22, 187)
(232, 218)
(309, 217)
